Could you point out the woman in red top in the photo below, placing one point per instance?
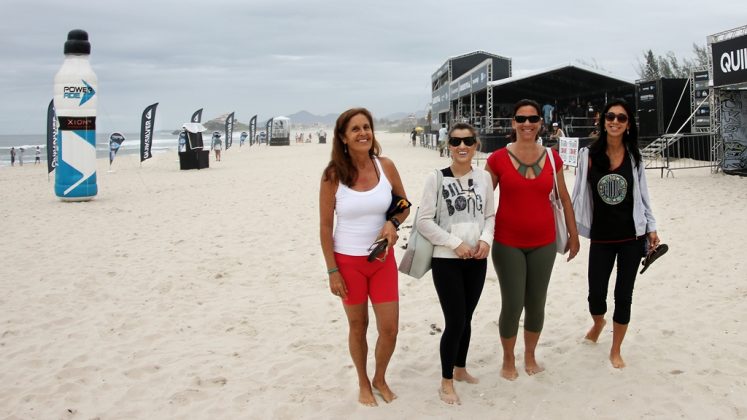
(523, 250)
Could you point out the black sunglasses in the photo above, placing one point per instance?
(523, 118)
(610, 116)
(456, 141)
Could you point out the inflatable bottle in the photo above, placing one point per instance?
(75, 99)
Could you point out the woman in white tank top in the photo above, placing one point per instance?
(357, 187)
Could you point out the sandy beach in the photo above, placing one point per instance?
(203, 295)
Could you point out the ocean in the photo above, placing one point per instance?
(162, 141)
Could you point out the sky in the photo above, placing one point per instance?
(277, 57)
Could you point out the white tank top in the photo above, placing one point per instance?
(360, 215)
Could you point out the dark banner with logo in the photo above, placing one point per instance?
(146, 132)
(268, 130)
(51, 138)
(252, 130)
(701, 109)
(229, 130)
(729, 61)
(115, 141)
(197, 116)
(440, 100)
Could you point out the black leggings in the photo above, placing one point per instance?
(459, 285)
(601, 259)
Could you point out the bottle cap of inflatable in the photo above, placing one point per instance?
(77, 42)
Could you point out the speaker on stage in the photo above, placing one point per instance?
(656, 103)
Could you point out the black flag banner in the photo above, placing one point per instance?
(197, 116)
(229, 130)
(253, 130)
(146, 132)
(268, 130)
(115, 141)
(51, 137)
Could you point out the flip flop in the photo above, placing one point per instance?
(653, 256)
(377, 248)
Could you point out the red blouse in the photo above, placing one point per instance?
(524, 218)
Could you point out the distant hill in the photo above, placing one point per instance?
(301, 118)
(307, 118)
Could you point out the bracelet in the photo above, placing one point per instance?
(333, 270)
(395, 222)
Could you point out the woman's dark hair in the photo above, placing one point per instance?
(340, 166)
(521, 103)
(598, 148)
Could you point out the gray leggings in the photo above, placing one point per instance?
(524, 274)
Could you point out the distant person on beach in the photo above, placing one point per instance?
(20, 155)
(413, 136)
(613, 210)
(461, 242)
(12, 156)
(217, 146)
(524, 241)
(443, 133)
(37, 158)
(357, 186)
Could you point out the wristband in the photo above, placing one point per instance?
(333, 270)
(395, 222)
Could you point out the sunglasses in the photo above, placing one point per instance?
(456, 141)
(610, 116)
(523, 118)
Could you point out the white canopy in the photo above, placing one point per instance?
(194, 127)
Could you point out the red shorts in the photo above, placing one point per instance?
(364, 279)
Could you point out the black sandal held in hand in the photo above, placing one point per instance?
(377, 248)
(653, 256)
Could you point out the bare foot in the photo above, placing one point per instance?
(508, 371)
(366, 397)
(447, 394)
(385, 392)
(595, 331)
(531, 366)
(461, 375)
(617, 361)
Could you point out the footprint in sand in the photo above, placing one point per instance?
(435, 329)
(211, 383)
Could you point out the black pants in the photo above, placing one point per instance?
(602, 257)
(459, 285)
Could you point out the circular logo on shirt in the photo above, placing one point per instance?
(612, 189)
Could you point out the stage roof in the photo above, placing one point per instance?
(567, 81)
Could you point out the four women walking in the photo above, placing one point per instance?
(458, 216)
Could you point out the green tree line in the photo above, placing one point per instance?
(668, 65)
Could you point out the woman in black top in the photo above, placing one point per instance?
(613, 210)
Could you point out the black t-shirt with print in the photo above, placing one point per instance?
(612, 191)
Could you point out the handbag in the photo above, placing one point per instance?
(417, 259)
(561, 231)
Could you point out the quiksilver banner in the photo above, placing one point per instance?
(268, 130)
(51, 137)
(252, 130)
(146, 132)
(729, 61)
(197, 116)
(229, 130)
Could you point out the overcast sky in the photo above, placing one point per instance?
(274, 57)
